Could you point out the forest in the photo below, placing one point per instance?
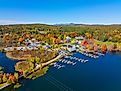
(111, 33)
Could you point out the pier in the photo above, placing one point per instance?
(77, 59)
(89, 55)
(58, 66)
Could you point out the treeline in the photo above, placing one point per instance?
(103, 33)
(100, 32)
(26, 27)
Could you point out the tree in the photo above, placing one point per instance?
(104, 47)
(32, 65)
(37, 60)
(1, 80)
(20, 39)
(4, 78)
(61, 37)
(12, 79)
(25, 73)
(1, 69)
(16, 76)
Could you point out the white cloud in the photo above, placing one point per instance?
(7, 22)
(4, 22)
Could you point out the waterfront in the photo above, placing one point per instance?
(102, 74)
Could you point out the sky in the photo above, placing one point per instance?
(60, 11)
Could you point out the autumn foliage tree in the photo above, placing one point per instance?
(20, 40)
(103, 47)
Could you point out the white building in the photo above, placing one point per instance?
(9, 49)
(20, 48)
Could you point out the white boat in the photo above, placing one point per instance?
(74, 63)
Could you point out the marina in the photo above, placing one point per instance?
(67, 60)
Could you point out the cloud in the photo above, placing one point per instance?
(4, 22)
(7, 22)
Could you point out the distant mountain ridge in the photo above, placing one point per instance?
(74, 24)
(66, 24)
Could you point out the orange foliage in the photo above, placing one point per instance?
(20, 39)
(84, 43)
(103, 47)
(12, 78)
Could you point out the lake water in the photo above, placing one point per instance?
(102, 74)
(7, 64)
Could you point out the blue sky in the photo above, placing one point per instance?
(60, 11)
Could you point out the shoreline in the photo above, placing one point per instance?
(8, 55)
(52, 60)
(4, 86)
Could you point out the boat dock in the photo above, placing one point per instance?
(89, 54)
(58, 66)
(77, 59)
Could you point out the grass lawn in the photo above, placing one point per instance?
(107, 43)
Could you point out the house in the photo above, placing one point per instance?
(38, 44)
(20, 48)
(32, 48)
(84, 43)
(79, 38)
(69, 47)
(68, 39)
(9, 49)
(33, 44)
(47, 46)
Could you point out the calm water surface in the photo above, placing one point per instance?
(102, 74)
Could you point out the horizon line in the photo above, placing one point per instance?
(9, 22)
(63, 23)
